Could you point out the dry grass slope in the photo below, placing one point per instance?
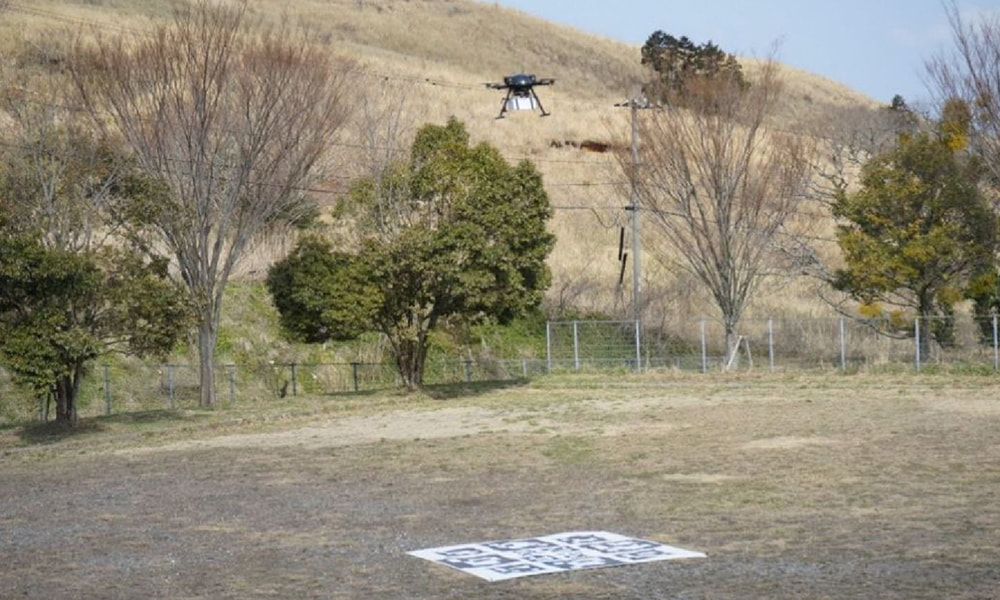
(439, 53)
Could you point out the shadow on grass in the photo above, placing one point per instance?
(437, 391)
(55, 431)
(146, 416)
(450, 391)
(366, 393)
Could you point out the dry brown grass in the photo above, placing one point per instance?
(806, 487)
(440, 53)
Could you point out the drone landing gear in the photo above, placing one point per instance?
(521, 100)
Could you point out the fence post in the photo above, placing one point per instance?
(576, 347)
(996, 346)
(916, 335)
(843, 346)
(770, 343)
(548, 347)
(638, 347)
(107, 391)
(524, 368)
(231, 372)
(295, 385)
(704, 349)
(170, 385)
(468, 371)
(354, 375)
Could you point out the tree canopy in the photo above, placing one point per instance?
(458, 234)
(70, 288)
(916, 230)
(59, 310)
(678, 62)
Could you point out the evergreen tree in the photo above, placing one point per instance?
(678, 62)
(60, 310)
(917, 230)
(457, 233)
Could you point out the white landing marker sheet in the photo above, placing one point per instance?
(570, 551)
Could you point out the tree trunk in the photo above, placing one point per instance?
(65, 394)
(67, 390)
(207, 336)
(732, 343)
(926, 315)
(410, 358)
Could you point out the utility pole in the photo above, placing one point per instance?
(636, 245)
(635, 207)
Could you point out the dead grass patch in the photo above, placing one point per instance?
(811, 486)
(787, 443)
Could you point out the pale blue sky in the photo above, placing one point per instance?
(875, 46)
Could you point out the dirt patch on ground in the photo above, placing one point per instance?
(986, 407)
(904, 508)
(598, 417)
(702, 478)
(787, 443)
(403, 425)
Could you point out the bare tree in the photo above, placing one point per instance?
(720, 187)
(971, 73)
(234, 118)
(847, 138)
(383, 124)
(56, 178)
(384, 128)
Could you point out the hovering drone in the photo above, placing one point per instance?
(520, 93)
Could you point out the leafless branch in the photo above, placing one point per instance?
(971, 72)
(234, 117)
(720, 187)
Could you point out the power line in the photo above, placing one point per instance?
(37, 12)
(358, 146)
(364, 72)
(367, 73)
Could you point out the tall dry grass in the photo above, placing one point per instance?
(438, 54)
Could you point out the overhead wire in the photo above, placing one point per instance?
(16, 7)
(38, 12)
(363, 71)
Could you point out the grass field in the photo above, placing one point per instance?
(811, 486)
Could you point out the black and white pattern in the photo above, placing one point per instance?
(497, 561)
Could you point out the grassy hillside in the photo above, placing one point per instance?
(431, 57)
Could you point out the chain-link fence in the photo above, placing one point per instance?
(778, 343)
(961, 342)
(572, 345)
(851, 344)
(137, 387)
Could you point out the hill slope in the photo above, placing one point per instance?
(437, 54)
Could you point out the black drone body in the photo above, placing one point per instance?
(520, 93)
